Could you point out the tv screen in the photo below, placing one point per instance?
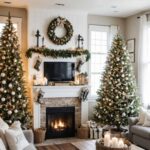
(59, 71)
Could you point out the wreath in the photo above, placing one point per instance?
(59, 21)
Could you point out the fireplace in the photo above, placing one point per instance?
(60, 122)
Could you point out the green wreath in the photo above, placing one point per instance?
(59, 21)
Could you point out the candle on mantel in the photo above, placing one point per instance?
(107, 139)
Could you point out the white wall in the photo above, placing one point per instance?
(132, 31)
(40, 19)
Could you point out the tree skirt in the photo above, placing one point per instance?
(65, 146)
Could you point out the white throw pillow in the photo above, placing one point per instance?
(15, 137)
(3, 126)
(2, 146)
(147, 120)
(142, 115)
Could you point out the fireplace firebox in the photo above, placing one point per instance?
(60, 122)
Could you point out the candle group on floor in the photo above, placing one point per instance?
(113, 142)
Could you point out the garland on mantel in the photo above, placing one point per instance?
(58, 53)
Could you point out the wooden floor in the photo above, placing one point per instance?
(82, 144)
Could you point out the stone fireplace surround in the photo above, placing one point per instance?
(59, 96)
(61, 102)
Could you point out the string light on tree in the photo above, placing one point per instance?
(13, 100)
(118, 98)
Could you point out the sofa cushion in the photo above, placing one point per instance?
(29, 135)
(3, 126)
(2, 146)
(30, 147)
(147, 120)
(2, 136)
(15, 137)
(141, 131)
(142, 115)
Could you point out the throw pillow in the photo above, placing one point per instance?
(15, 137)
(147, 120)
(142, 115)
(2, 146)
(3, 126)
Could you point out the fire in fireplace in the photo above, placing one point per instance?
(60, 122)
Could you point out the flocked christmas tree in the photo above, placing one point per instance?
(13, 100)
(117, 96)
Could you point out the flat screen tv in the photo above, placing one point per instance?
(59, 71)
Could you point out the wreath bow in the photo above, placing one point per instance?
(61, 21)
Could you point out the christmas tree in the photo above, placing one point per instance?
(117, 96)
(13, 100)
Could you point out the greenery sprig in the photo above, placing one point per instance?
(58, 53)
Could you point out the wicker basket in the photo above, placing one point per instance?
(100, 146)
(39, 135)
(83, 133)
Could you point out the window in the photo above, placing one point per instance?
(16, 24)
(144, 60)
(99, 45)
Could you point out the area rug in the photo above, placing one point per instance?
(65, 146)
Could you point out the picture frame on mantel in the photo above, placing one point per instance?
(131, 49)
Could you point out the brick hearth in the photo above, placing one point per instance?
(61, 102)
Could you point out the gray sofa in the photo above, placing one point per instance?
(30, 137)
(139, 134)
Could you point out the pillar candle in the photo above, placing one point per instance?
(114, 143)
(121, 143)
(107, 139)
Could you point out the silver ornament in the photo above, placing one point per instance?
(19, 96)
(10, 85)
(3, 99)
(2, 74)
(15, 110)
(3, 82)
(12, 93)
(9, 112)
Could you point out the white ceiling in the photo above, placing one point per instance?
(119, 8)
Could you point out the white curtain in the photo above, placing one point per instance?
(144, 60)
